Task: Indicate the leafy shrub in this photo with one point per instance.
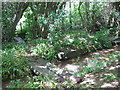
(38, 82)
(44, 51)
(102, 37)
(13, 64)
(15, 84)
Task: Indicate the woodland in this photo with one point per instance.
(58, 45)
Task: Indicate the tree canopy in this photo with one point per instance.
(41, 17)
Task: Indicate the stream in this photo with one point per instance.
(68, 68)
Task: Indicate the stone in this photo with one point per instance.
(40, 66)
(19, 39)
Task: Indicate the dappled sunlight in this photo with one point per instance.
(105, 58)
(68, 68)
(88, 80)
(110, 50)
(72, 67)
(113, 67)
(42, 66)
(60, 44)
(109, 85)
(96, 53)
(32, 54)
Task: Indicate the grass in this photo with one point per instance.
(13, 64)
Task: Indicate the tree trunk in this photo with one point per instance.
(70, 15)
(93, 21)
(45, 27)
(35, 28)
(82, 20)
(21, 8)
(113, 21)
(62, 6)
(87, 21)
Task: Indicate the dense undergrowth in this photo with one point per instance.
(14, 60)
(54, 31)
(13, 64)
(102, 69)
(78, 40)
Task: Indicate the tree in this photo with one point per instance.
(12, 13)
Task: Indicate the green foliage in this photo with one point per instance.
(101, 65)
(110, 77)
(36, 82)
(102, 37)
(14, 64)
(43, 49)
(78, 39)
(57, 20)
(15, 84)
(83, 36)
(8, 11)
(48, 48)
(39, 82)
